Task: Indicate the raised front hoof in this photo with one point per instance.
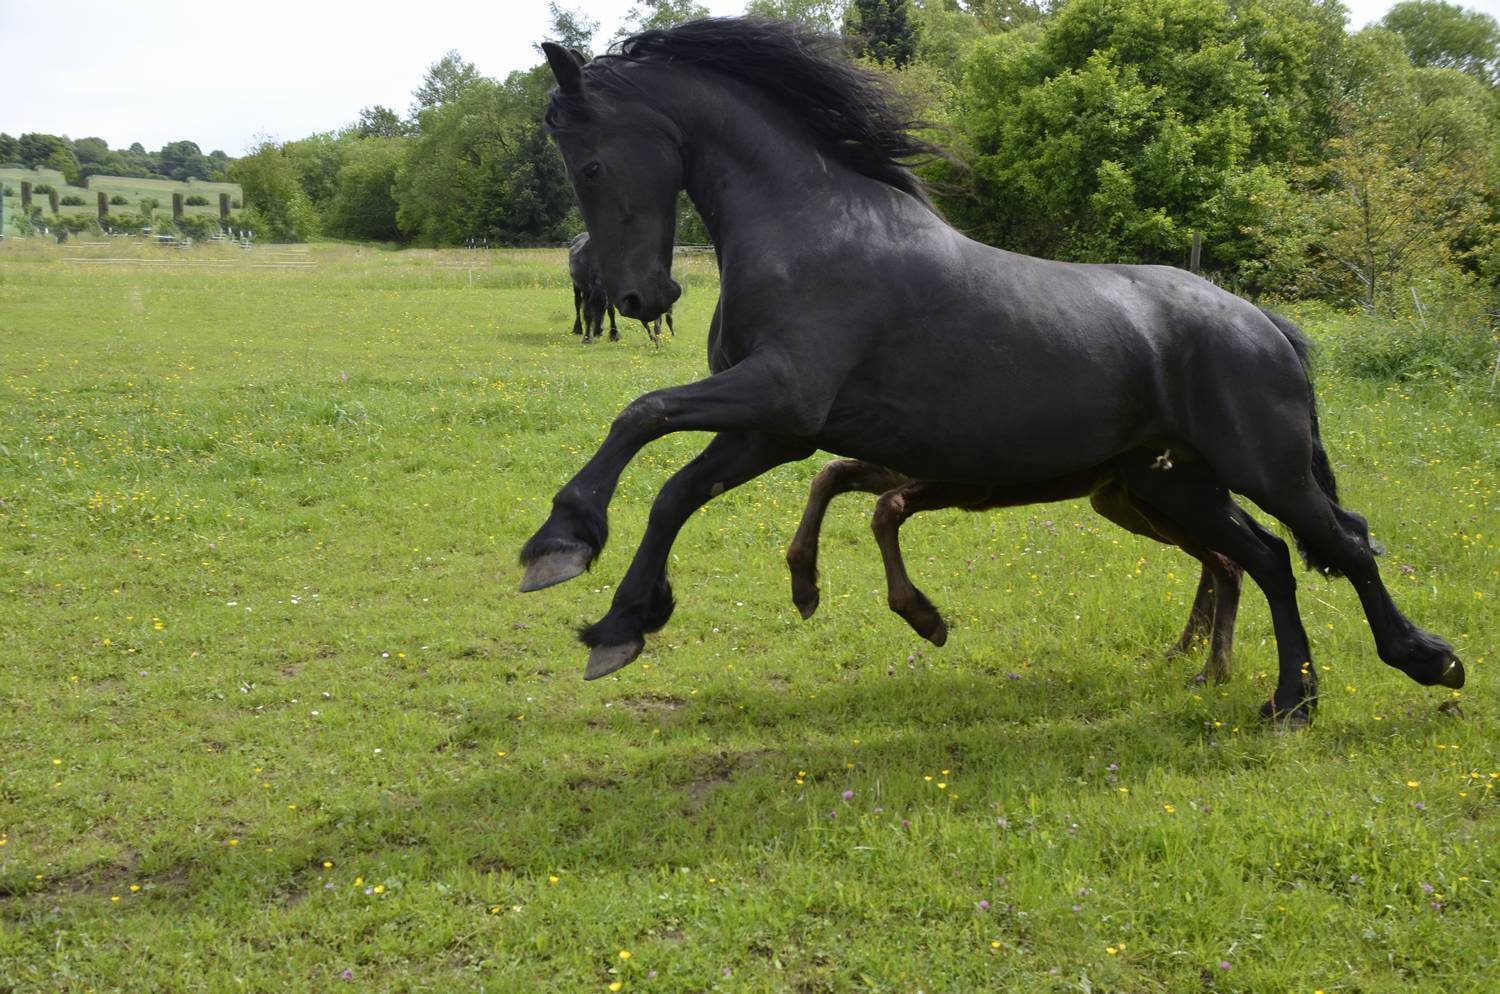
(1453, 675)
(1428, 660)
(555, 566)
(1289, 719)
(605, 659)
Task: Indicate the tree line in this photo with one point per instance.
(79, 159)
(1308, 159)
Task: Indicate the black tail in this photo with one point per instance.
(1322, 472)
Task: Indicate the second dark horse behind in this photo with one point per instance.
(846, 322)
(591, 301)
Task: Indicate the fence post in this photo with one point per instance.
(1197, 253)
(103, 206)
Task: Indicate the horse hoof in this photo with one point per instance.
(1295, 720)
(552, 568)
(939, 633)
(1453, 676)
(807, 605)
(605, 659)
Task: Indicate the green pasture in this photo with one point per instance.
(275, 718)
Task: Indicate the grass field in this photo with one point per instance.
(276, 719)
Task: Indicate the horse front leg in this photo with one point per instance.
(754, 396)
(838, 477)
(643, 601)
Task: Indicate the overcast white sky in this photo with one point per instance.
(156, 71)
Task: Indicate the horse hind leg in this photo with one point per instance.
(1339, 540)
(1194, 499)
(837, 477)
(1216, 601)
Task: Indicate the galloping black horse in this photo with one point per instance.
(846, 321)
(1215, 605)
(590, 299)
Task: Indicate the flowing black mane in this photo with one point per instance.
(850, 109)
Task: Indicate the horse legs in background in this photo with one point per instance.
(614, 333)
(578, 306)
(653, 328)
(838, 477)
(1215, 605)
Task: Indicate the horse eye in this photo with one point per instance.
(591, 170)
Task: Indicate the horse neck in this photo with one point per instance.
(753, 171)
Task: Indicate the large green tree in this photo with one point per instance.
(481, 167)
(445, 81)
(1118, 128)
(883, 30)
(1446, 35)
(276, 206)
(363, 205)
(1397, 202)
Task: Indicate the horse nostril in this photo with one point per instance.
(630, 304)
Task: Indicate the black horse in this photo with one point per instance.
(591, 301)
(1211, 617)
(846, 322)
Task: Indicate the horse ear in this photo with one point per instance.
(568, 71)
(578, 56)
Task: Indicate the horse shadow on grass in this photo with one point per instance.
(664, 778)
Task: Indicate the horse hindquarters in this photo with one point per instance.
(1268, 447)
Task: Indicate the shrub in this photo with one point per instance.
(78, 224)
(10, 191)
(149, 204)
(196, 201)
(41, 189)
(72, 200)
(198, 227)
(118, 200)
(129, 223)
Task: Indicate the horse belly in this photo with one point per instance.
(1035, 426)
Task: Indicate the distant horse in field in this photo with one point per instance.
(590, 300)
(1211, 617)
(847, 321)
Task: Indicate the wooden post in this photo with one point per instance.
(1197, 253)
(176, 207)
(25, 196)
(223, 207)
(103, 202)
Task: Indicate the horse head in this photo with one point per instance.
(625, 161)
